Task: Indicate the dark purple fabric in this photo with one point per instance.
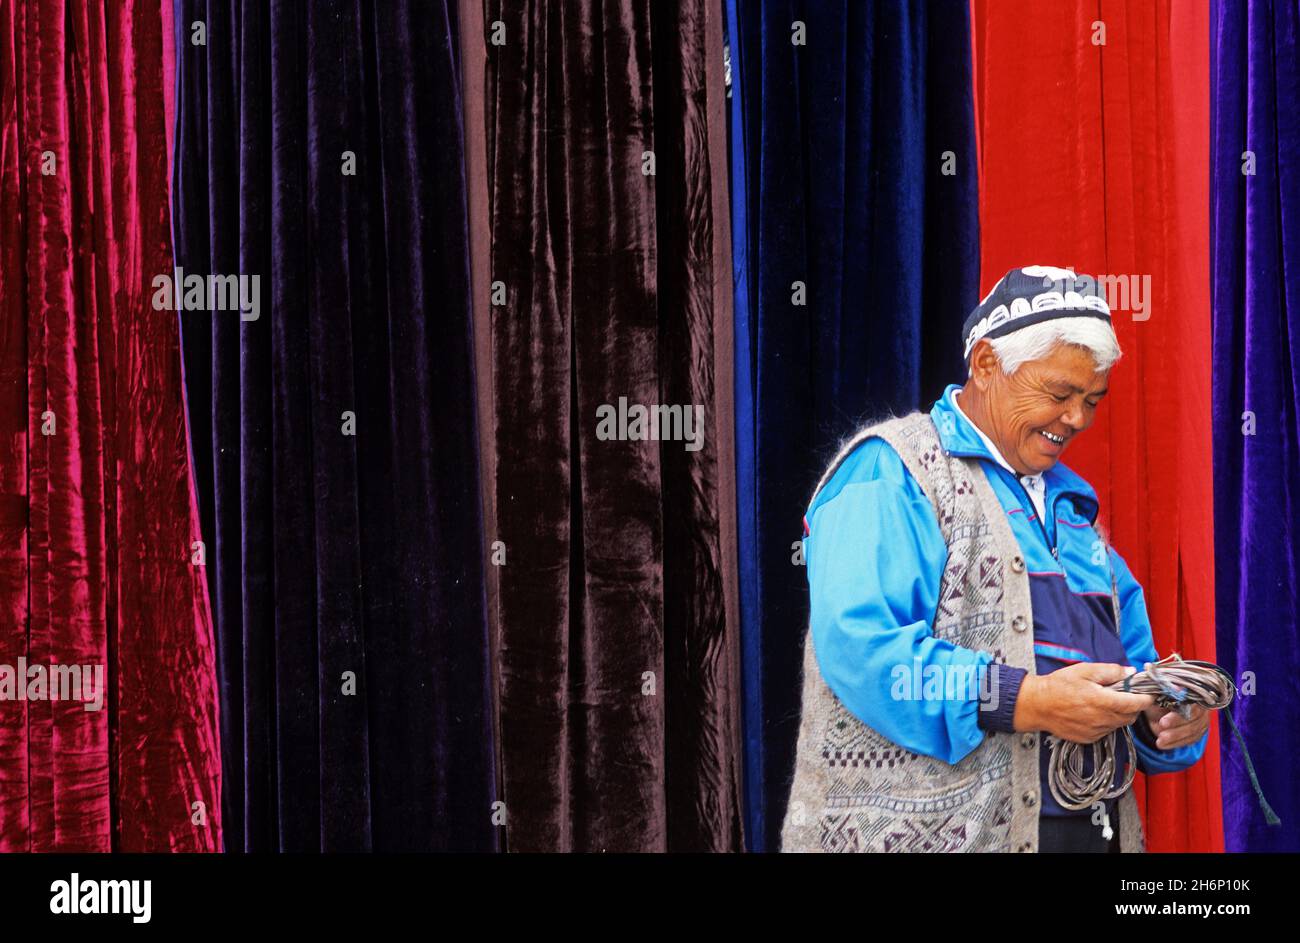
(333, 553)
(1255, 241)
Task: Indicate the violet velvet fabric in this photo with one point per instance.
(1255, 241)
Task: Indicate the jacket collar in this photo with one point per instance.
(959, 437)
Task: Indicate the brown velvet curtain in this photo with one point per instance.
(612, 589)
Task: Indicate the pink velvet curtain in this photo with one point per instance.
(98, 565)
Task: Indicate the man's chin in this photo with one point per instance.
(1040, 463)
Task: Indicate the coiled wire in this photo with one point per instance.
(1174, 683)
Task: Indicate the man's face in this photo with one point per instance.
(1038, 410)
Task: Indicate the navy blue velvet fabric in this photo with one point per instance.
(852, 172)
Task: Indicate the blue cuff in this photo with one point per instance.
(1006, 685)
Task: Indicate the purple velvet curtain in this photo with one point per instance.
(1255, 239)
(319, 148)
(613, 587)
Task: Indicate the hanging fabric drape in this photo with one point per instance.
(613, 580)
(1094, 140)
(319, 149)
(97, 565)
(1255, 219)
(856, 261)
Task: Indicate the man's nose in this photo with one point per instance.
(1074, 416)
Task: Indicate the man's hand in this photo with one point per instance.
(1074, 703)
(1172, 731)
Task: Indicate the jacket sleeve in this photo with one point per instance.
(875, 557)
(1135, 634)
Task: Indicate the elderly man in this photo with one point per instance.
(957, 545)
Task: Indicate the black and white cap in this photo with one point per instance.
(1030, 295)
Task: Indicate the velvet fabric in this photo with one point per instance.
(1255, 238)
(613, 595)
(345, 559)
(1094, 153)
(97, 515)
(852, 174)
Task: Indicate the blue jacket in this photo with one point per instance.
(875, 556)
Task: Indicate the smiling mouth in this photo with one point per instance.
(1054, 439)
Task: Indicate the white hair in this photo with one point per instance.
(1039, 340)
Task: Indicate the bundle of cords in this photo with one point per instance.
(1174, 683)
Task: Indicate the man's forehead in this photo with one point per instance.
(1057, 380)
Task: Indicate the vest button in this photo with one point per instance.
(1027, 740)
(1030, 798)
(1026, 846)
(1018, 563)
(1019, 623)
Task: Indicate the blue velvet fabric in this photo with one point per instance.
(1255, 245)
(853, 172)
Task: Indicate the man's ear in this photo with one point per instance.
(983, 363)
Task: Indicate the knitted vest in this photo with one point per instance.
(855, 790)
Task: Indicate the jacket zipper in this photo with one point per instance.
(1043, 528)
(1042, 525)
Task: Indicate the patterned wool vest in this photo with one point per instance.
(855, 790)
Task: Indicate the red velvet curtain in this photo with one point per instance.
(97, 562)
(1093, 126)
